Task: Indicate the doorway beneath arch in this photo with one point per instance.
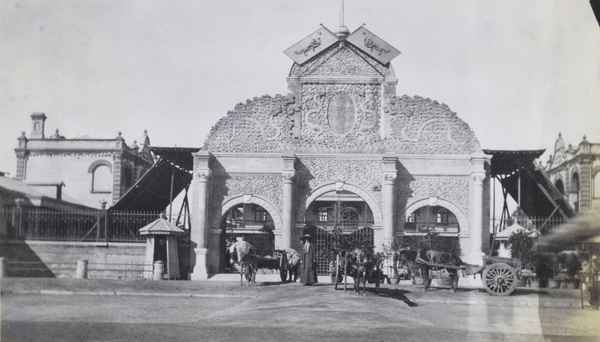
(248, 222)
(336, 214)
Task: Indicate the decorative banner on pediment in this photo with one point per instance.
(312, 45)
(372, 45)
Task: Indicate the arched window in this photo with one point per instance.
(102, 179)
(127, 178)
(574, 192)
(559, 185)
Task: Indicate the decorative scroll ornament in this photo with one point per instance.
(312, 45)
(372, 45)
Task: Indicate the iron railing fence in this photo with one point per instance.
(539, 223)
(327, 235)
(43, 224)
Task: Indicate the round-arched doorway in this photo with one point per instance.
(336, 215)
(249, 222)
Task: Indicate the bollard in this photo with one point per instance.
(159, 269)
(82, 269)
(3, 267)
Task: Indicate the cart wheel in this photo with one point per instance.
(500, 279)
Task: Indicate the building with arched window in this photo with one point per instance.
(575, 171)
(340, 151)
(90, 170)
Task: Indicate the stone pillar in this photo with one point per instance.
(478, 176)
(585, 183)
(117, 175)
(22, 154)
(389, 198)
(288, 201)
(199, 208)
(82, 269)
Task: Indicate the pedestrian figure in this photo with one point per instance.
(309, 261)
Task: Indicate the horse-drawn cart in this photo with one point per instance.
(498, 275)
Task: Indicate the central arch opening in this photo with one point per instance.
(249, 222)
(338, 212)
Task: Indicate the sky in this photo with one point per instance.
(517, 71)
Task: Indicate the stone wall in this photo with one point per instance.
(59, 259)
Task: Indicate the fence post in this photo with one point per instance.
(82, 269)
(17, 218)
(98, 225)
(3, 267)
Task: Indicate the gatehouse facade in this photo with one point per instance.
(340, 151)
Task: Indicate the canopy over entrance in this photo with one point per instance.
(164, 181)
(527, 184)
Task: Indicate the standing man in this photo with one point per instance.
(309, 261)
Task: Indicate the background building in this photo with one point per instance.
(575, 171)
(87, 171)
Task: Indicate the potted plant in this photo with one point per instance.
(521, 247)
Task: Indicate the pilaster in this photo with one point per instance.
(288, 173)
(199, 213)
(478, 176)
(390, 174)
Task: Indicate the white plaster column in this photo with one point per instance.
(200, 197)
(389, 198)
(288, 200)
(478, 176)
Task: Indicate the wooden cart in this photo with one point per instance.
(499, 275)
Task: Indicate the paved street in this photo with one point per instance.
(102, 310)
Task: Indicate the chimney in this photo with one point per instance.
(37, 128)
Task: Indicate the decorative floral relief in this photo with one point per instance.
(268, 187)
(257, 126)
(315, 102)
(367, 174)
(453, 189)
(425, 126)
(342, 61)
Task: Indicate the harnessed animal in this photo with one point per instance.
(364, 265)
(289, 264)
(241, 254)
(434, 263)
